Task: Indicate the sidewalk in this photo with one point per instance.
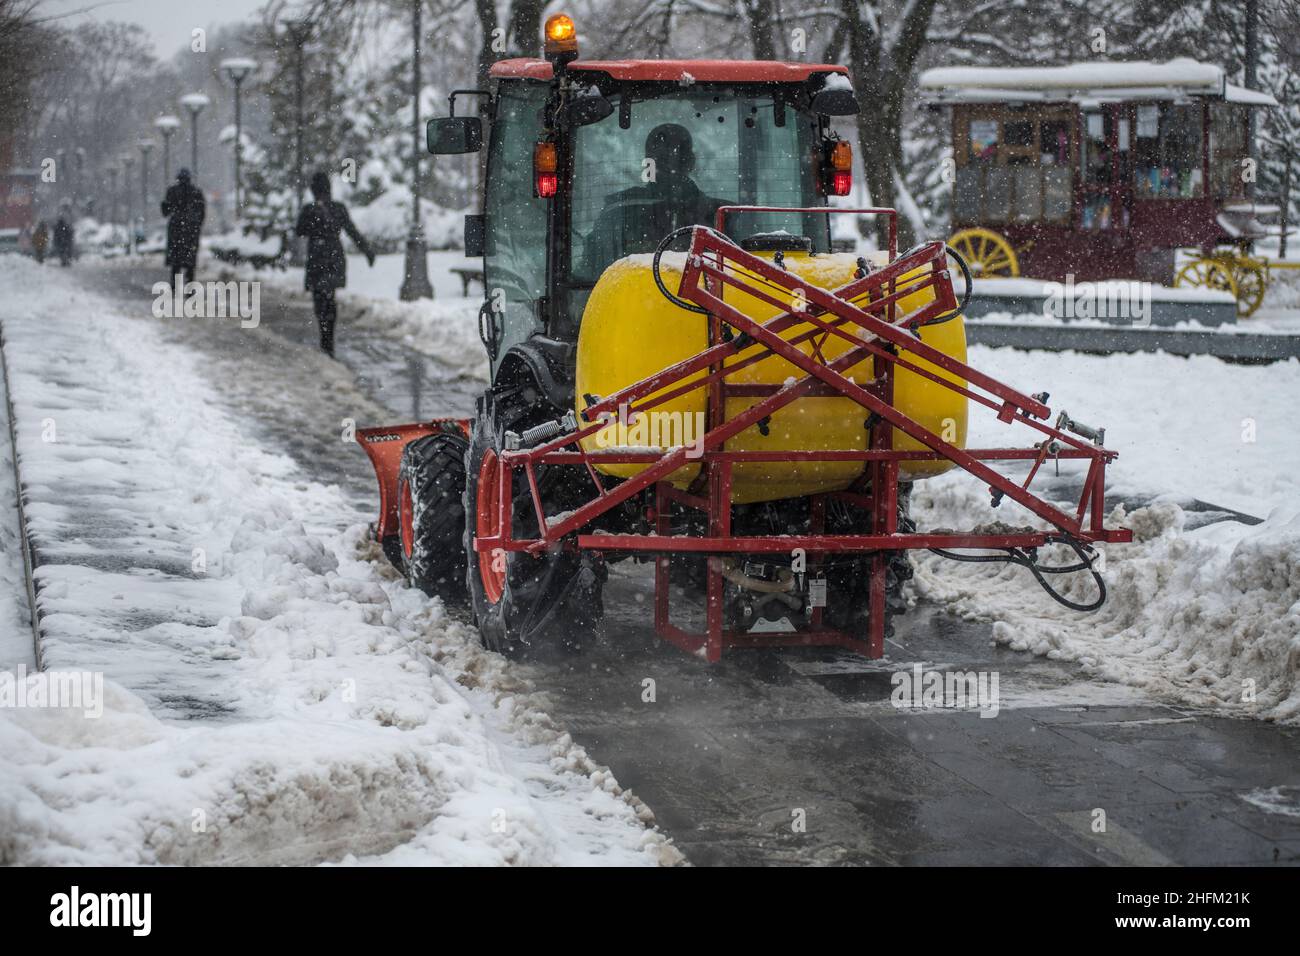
(271, 695)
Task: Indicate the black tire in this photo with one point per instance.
(849, 583)
(552, 599)
(392, 546)
(432, 518)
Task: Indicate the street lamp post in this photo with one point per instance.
(79, 165)
(166, 126)
(146, 147)
(127, 162)
(299, 33)
(112, 195)
(194, 103)
(415, 283)
(238, 68)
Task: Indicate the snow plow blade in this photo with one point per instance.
(383, 446)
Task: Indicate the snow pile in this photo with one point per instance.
(386, 222)
(1207, 616)
(446, 329)
(1191, 427)
(333, 714)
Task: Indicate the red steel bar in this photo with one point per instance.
(713, 264)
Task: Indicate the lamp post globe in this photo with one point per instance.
(194, 104)
(167, 126)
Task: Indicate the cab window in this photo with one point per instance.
(514, 260)
(686, 153)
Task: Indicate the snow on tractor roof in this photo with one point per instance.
(1078, 82)
(699, 71)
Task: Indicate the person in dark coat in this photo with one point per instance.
(63, 237)
(184, 207)
(321, 222)
(41, 240)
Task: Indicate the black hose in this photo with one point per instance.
(654, 267)
(1017, 556)
(965, 271)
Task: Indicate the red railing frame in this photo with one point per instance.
(874, 332)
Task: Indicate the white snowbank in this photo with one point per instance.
(351, 719)
(1194, 616)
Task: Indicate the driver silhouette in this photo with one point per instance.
(636, 219)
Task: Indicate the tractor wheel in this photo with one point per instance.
(987, 253)
(519, 599)
(431, 513)
(1207, 273)
(849, 584)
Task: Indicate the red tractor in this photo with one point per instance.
(683, 372)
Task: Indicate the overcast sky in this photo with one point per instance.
(169, 22)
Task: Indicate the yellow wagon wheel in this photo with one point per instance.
(1251, 277)
(1207, 274)
(986, 252)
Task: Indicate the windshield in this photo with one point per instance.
(685, 154)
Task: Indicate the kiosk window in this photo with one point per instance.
(1013, 165)
(1167, 151)
(1227, 148)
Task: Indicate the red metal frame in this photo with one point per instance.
(863, 313)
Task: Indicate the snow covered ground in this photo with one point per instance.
(272, 695)
(445, 327)
(1208, 616)
(1193, 613)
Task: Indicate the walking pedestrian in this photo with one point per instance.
(321, 222)
(63, 237)
(184, 207)
(41, 240)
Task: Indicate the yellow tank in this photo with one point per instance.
(630, 331)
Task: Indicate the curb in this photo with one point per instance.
(29, 562)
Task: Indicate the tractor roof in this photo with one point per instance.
(703, 71)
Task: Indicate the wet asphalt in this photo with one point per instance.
(798, 756)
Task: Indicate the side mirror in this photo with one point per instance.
(585, 109)
(449, 135)
(833, 95)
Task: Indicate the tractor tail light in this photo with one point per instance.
(546, 177)
(841, 169)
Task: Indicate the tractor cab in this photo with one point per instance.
(592, 161)
(683, 372)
